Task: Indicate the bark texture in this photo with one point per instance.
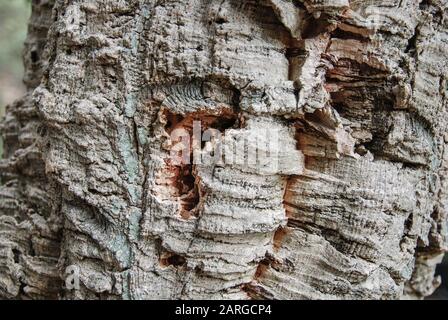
(356, 91)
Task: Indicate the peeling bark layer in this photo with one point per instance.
(355, 207)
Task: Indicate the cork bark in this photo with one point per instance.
(354, 92)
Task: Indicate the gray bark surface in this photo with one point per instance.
(356, 208)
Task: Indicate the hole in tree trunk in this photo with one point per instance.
(177, 182)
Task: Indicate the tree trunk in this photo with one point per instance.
(343, 103)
